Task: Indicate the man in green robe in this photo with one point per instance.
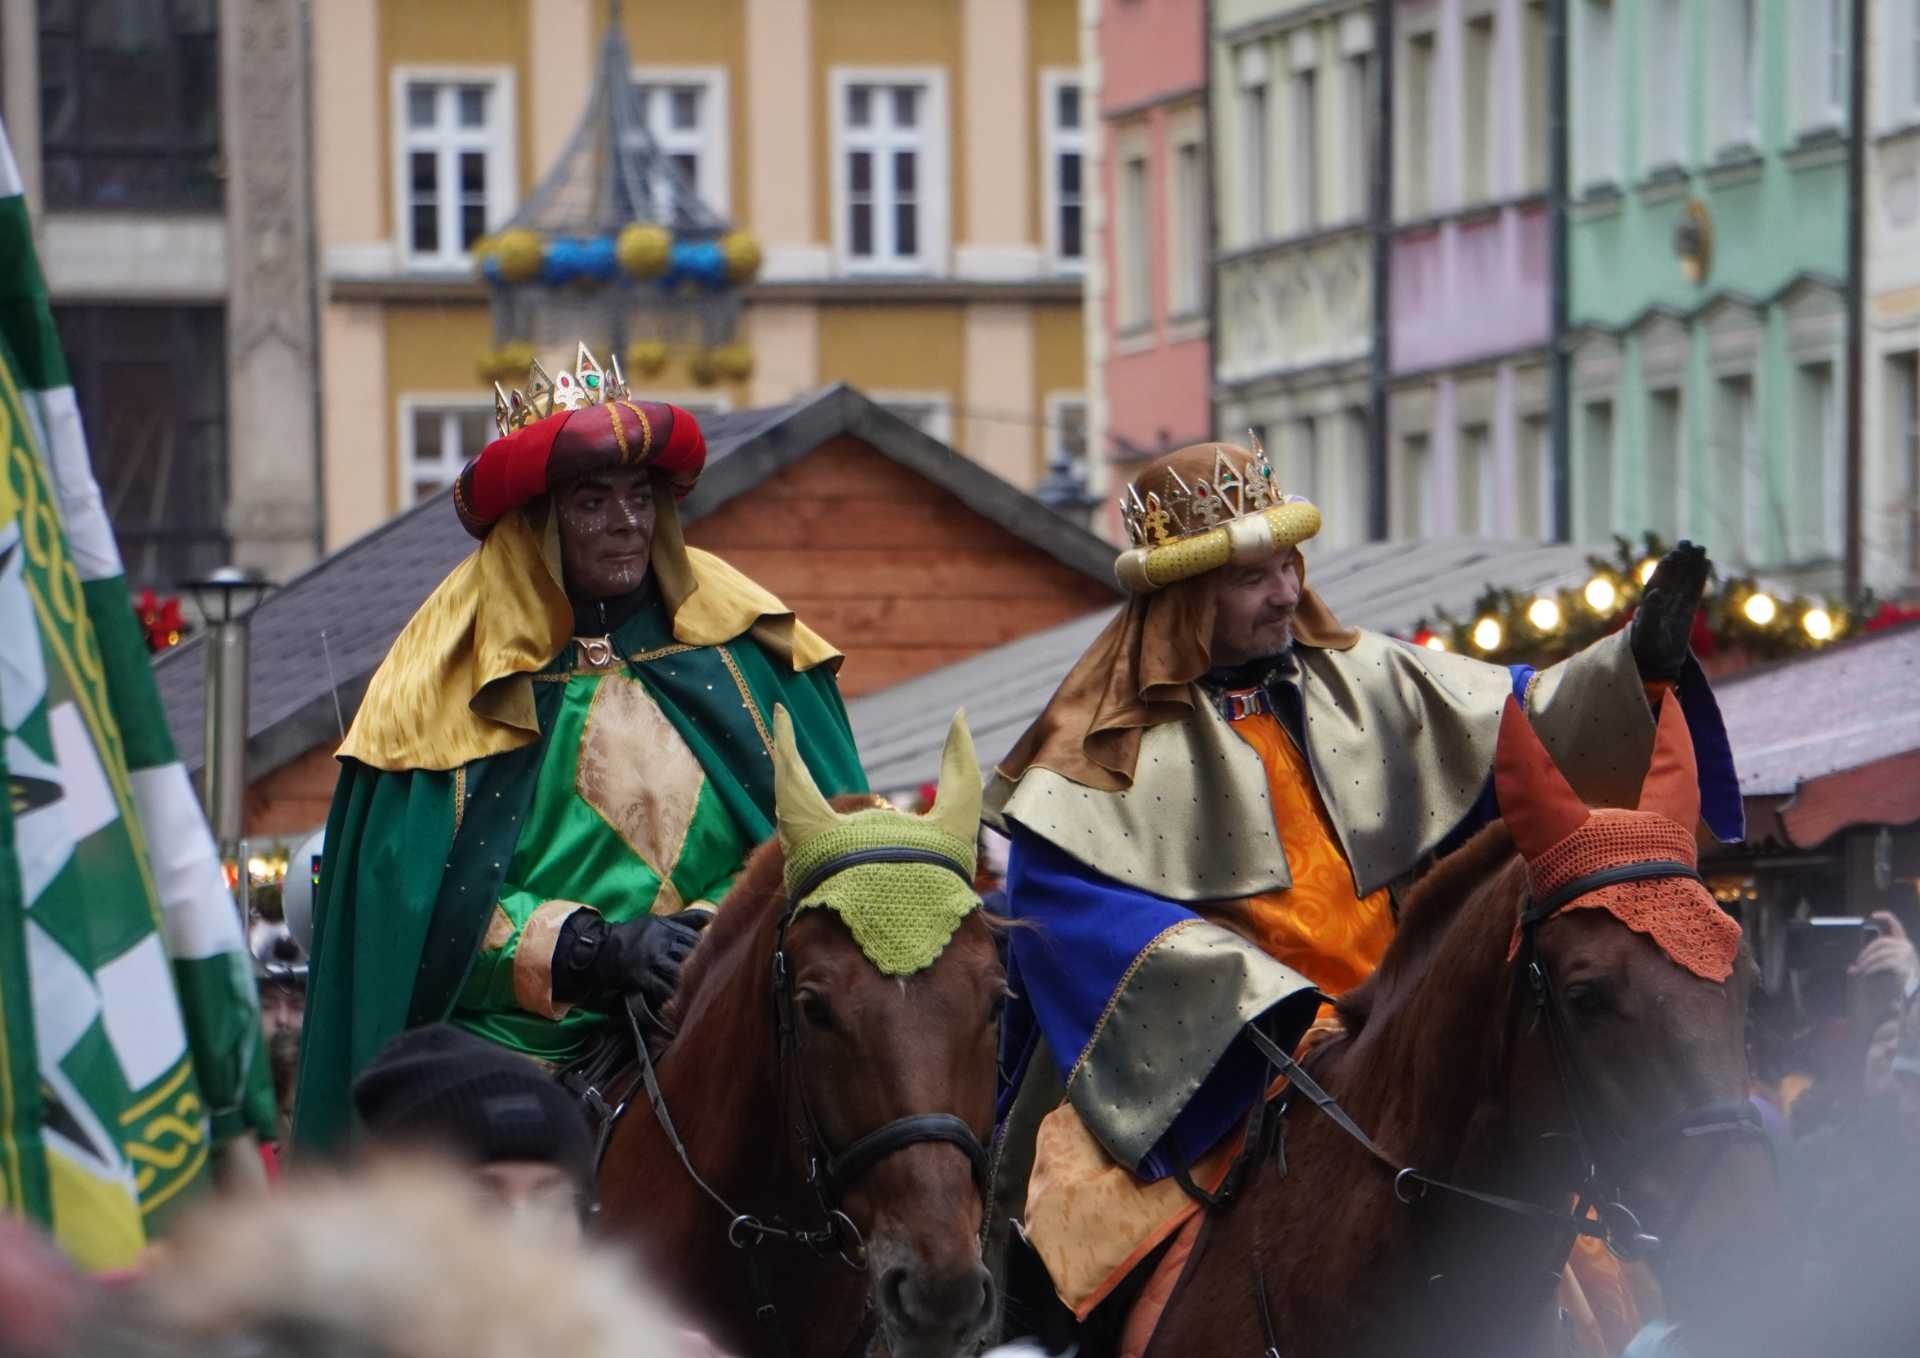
(565, 757)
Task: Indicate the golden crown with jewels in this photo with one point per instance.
(1235, 514)
(587, 385)
(1156, 519)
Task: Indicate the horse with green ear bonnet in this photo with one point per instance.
(901, 883)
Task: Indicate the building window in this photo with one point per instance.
(1481, 134)
(439, 437)
(130, 104)
(455, 166)
(1913, 56)
(1737, 467)
(151, 386)
(1360, 134)
(1533, 496)
(1663, 122)
(1066, 159)
(1535, 141)
(1818, 500)
(1736, 72)
(1597, 96)
(1833, 33)
(1475, 481)
(931, 412)
(1189, 216)
(1413, 488)
(1303, 473)
(1133, 244)
(1902, 517)
(1416, 117)
(1253, 163)
(1306, 149)
(1350, 512)
(1067, 434)
(685, 112)
(1665, 474)
(891, 171)
(1595, 512)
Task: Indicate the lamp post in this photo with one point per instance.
(226, 601)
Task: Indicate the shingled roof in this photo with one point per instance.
(317, 640)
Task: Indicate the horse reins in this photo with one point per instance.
(1600, 1193)
(829, 1174)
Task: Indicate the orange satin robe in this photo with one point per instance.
(1320, 926)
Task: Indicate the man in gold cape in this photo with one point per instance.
(1211, 820)
(565, 756)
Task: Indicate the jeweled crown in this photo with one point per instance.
(1174, 512)
(587, 385)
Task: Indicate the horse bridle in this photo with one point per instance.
(1599, 1210)
(829, 1174)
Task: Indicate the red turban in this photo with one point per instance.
(570, 443)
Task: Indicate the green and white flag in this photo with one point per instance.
(129, 1024)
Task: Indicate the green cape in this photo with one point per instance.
(414, 859)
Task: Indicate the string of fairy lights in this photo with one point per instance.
(1738, 613)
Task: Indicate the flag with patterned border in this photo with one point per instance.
(130, 1037)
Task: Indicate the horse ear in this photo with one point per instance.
(1538, 804)
(956, 804)
(798, 806)
(1672, 788)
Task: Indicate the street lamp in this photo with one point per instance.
(226, 601)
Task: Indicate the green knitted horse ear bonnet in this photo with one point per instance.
(901, 914)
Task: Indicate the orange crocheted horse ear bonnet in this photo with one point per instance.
(1563, 839)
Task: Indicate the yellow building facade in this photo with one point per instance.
(912, 169)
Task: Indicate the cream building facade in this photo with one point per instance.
(1292, 97)
(913, 171)
(1890, 500)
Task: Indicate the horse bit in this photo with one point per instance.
(1601, 1187)
(829, 1174)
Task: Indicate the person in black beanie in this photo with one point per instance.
(443, 1090)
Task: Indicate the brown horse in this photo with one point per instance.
(1460, 1061)
(777, 1069)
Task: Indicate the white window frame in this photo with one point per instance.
(1596, 151)
(1253, 138)
(939, 424)
(1736, 108)
(450, 405)
(500, 142)
(1133, 240)
(1492, 119)
(714, 182)
(931, 172)
(1417, 192)
(1666, 99)
(1056, 402)
(1306, 127)
(1830, 109)
(1056, 141)
(1358, 71)
(1187, 244)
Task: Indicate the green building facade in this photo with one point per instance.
(1707, 253)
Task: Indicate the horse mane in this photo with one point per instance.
(1437, 899)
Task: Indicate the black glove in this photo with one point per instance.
(594, 961)
(1663, 626)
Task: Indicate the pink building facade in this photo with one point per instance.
(1147, 313)
(1470, 272)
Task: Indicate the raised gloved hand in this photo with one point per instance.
(1663, 626)
(595, 961)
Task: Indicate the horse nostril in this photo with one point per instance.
(893, 1295)
(959, 1304)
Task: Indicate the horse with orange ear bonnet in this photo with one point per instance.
(1641, 866)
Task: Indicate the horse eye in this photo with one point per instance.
(813, 1008)
(996, 1007)
(1587, 997)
